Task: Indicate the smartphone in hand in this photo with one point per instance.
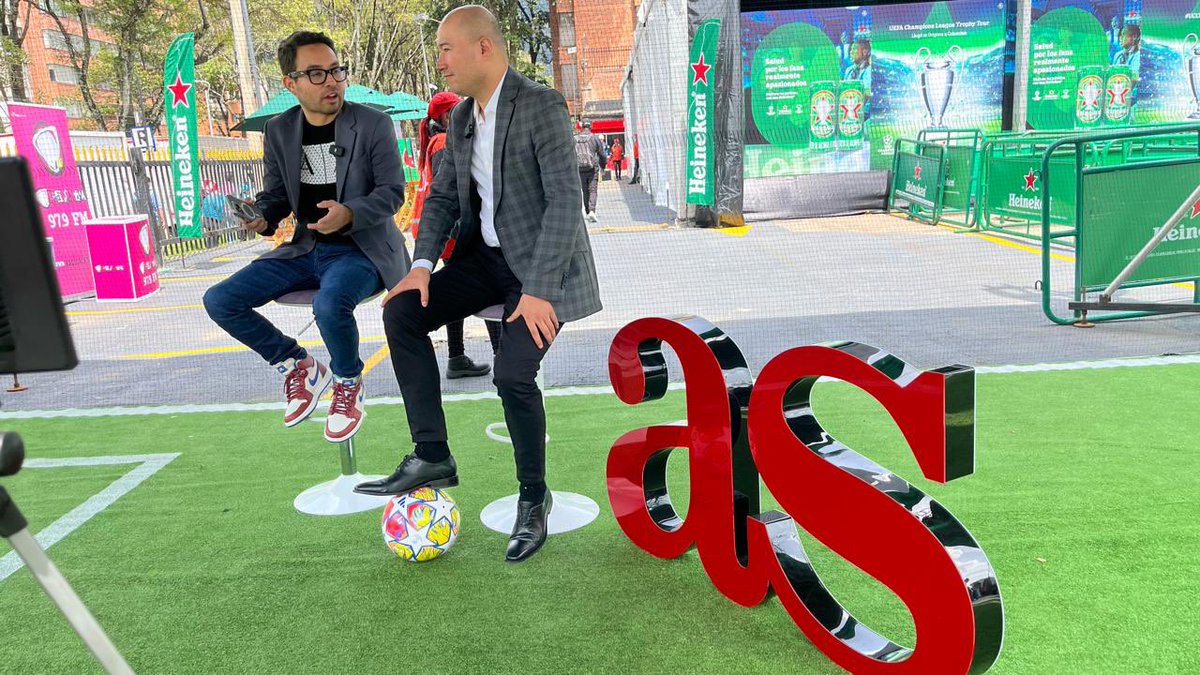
(243, 210)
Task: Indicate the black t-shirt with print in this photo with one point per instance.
(318, 179)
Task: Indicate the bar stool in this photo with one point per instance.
(571, 511)
(334, 497)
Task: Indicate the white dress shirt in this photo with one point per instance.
(483, 170)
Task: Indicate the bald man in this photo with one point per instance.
(509, 178)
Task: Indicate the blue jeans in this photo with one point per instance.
(344, 277)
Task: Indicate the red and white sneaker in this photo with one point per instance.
(304, 382)
(346, 410)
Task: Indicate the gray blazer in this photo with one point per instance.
(539, 207)
(370, 181)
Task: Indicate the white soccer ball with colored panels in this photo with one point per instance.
(421, 525)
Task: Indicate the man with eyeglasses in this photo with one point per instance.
(335, 166)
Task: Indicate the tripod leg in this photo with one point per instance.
(68, 602)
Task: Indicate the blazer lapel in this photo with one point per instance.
(504, 118)
(344, 135)
(293, 156)
(462, 157)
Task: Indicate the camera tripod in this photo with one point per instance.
(13, 527)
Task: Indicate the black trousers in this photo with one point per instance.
(473, 282)
(589, 182)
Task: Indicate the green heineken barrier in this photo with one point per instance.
(1011, 181)
(918, 177)
(1011, 173)
(961, 185)
(1117, 210)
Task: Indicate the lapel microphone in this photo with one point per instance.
(470, 133)
(337, 151)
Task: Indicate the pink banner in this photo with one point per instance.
(42, 138)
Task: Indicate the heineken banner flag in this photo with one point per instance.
(179, 98)
(408, 157)
(832, 90)
(699, 130)
(1113, 63)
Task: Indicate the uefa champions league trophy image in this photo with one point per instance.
(1191, 64)
(936, 78)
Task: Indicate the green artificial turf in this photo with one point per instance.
(1085, 499)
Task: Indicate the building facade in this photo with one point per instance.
(590, 45)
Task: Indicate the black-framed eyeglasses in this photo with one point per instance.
(318, 75)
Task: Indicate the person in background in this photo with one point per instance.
(590, 156)
(1130, 55)
(431, 142)
(618, 156)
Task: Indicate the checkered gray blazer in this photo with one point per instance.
(539, 208)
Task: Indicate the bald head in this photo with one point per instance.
(475, 22)
(471, 52)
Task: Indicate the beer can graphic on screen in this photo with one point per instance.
(822, 116)
(1089, 97)
(851, 114)
(1118, 96)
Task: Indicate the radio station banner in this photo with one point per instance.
(1097, 63)
(832, 90)
(42, 138)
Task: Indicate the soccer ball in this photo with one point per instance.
(420, 525)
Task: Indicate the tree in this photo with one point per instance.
(140, 32)
(80, 53)
(526, 25)
(14, 24)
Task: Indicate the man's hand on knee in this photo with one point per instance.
(417, 279)
(539, 317)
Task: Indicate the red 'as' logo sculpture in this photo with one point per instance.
(738, 427)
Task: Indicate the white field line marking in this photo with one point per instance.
(595, 390)
(147, 465)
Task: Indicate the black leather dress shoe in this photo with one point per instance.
(412, 473)
(463, 366)
(529, 532)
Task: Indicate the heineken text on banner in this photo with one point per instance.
(700, 113)
(179, 82)
(41, 136)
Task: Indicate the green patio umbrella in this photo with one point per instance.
(402, 102)
(399, 106)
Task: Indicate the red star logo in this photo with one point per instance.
(1031, 181)
(700, 71)
(179, 91)
(851, 112)
(917, 172)
(1118, 95)
(1196, 208)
